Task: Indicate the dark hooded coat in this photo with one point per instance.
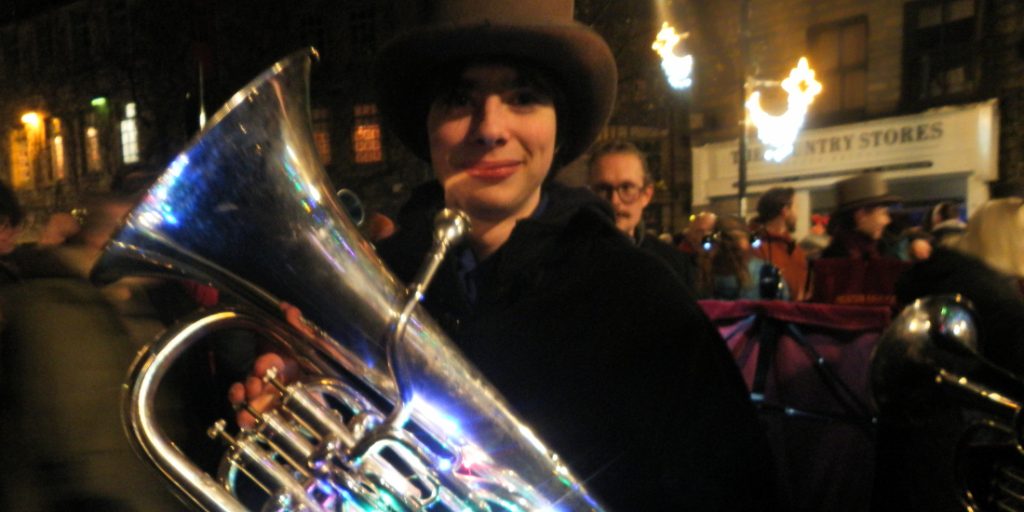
(603, 354)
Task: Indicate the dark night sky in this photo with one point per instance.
(11, 10)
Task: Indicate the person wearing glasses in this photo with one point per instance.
(618, 173)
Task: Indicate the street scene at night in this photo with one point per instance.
(512, 255)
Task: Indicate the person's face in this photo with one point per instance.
(789, 213)
(619, 178)
(872, 221)
(492, 142)
(8, 236)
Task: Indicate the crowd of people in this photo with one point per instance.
(587, 324)
(726, 257)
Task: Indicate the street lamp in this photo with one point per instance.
(678, 70)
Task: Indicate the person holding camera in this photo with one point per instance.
(729, 270)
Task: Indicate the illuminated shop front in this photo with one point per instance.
(948, 153)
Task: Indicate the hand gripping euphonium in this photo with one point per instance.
(411, 425)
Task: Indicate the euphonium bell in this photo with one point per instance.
(248, 209)
(933, 386)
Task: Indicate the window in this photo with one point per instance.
(322, 134)
(838, 54)
(941, 48)
(57, 150)
(21, 162)
(129, 135)
(93, 157)
(366, 135)
(28, 157)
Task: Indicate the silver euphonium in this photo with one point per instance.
(927, 365)
(248, 209)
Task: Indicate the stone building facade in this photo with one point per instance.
(880, 61)
(92, 91)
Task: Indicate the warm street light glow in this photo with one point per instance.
(778, 132)
(677, 67)
(31, 119)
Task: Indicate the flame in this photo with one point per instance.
(677, 68)
(778, 132)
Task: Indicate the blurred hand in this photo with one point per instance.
(262, 396)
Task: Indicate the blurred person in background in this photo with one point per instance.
(943, 223)
(701, 225)
(63, 333)
(65, 348)
(985, 265)
(857, 268)
(816, 240)
(776, 221)
(903, 240)
(617, 172)
(860, 219)
(729, 270)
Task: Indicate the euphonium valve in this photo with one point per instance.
(388, 415)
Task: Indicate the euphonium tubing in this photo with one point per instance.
(248, 209)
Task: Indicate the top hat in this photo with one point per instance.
(541, 33)
(863, 191)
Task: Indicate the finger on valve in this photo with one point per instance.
(255, 395)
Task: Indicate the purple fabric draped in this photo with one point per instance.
(817, 416)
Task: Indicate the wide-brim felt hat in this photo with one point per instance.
(863, 191)
(541, 33)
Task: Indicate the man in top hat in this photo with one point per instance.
(612, 365)
(854, 269)
(860, 218)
